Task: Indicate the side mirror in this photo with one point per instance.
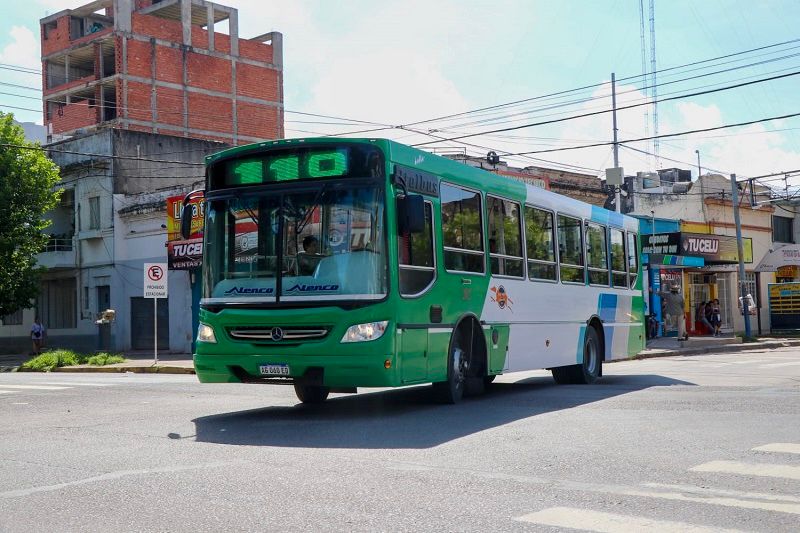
(411, 214)
(186, 212)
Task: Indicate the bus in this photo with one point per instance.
(331, 264)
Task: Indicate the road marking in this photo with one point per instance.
(76, 384)
(776, 365)
(749, 469)
(32, 387)
(780, 447)
(8, 391)
(723, 492)
(610, 522)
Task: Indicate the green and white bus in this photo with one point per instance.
(331, 264)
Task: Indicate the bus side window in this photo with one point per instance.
(540, 237)
(415, 254)
(505, 237)
(462, 229)
(570, 249)
(597, 254)
(618, 267)
(633, 260)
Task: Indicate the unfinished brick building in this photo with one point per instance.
(159, 66)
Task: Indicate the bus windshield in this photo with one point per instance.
(329, 242)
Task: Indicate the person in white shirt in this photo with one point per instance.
(37, 336)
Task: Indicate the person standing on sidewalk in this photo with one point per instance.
(37, 336)
(674, 307)
(716, 317)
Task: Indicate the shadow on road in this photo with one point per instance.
(407, 418)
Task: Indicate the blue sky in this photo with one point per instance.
(396, 62)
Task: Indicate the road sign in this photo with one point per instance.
(155, 280)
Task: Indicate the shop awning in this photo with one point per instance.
(787, 255)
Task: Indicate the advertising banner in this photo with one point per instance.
(715, 248)
(184, 255)
(174, 205)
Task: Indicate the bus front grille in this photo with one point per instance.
(278, 333)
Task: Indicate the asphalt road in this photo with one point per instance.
(703, 443)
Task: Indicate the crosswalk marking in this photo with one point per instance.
(32, 387)
(75, 384)
(691, 489)
(749, 469)
(7, 391)
(780, 447)
(610, 522)
(776, 365)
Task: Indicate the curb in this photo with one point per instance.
(123, 369)
(724, 348)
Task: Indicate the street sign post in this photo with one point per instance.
(155, 287)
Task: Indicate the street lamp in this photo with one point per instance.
(698, 163)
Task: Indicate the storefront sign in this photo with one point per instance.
(787, 271)
(715, 248)
(784, 306)
(661, 243)
(184, 255)
(174, 206)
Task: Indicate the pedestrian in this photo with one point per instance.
(674, 307)
(37, 336)
(716, 317)
(703, 314)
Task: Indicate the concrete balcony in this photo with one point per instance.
(59, 253)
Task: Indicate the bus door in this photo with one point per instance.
(418, 310)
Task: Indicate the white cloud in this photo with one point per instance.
(23, 50)
(695, 116)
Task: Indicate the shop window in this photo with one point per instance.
(570, 249)
(505, 237)
(749, 284)
(462, 229)
(415, 251)
(597, 254)
(541, 242)
(94, 212)
(619, 276)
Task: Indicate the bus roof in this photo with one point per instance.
(452, 171)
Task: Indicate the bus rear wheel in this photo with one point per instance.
(589, 369)
(311, 393)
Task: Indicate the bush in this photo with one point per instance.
(104, 358)
(47, 361)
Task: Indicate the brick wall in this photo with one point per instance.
(206, 72)
(160, 28)
(255, 50)
(139, 101)
(210, 113)
(256, 82)
(257, 121)
(56, 39)
(169, 104)
(78, 114)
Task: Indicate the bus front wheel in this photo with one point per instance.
(311, 393)
(589, 369)
(458, 363)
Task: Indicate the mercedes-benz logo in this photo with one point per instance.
(277, 334)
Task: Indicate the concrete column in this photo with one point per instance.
(277, 49)
(233, 23)
(186, 21)
(66, 68)
(122, 15)
(210, 25)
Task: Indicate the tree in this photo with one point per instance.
(27, 191)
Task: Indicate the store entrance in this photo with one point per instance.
(699, 292)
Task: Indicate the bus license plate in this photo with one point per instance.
(274, 370)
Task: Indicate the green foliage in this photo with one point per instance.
(27, 191)
(47, 361)
(104, 358)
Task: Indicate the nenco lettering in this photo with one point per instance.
(312, 288)
(701, 246)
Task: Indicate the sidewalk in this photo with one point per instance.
(137, 362)
(671, 346)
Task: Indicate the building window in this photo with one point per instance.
(12, 319)
(749, 283)
(782, 229)
(94, 212)
(462, 229)
(570, 249)
(415, 251)
(541, 242)
(57, 303)
(505, 237)
(618, 270)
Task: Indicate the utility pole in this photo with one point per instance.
(698, 163)
(617, 195)
(740, 250)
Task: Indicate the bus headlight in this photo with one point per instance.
(205, 334)
(365, 332)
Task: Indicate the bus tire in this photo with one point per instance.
(311, 393)
(458, 360)
(590, 368)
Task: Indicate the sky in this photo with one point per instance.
(398, 62)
